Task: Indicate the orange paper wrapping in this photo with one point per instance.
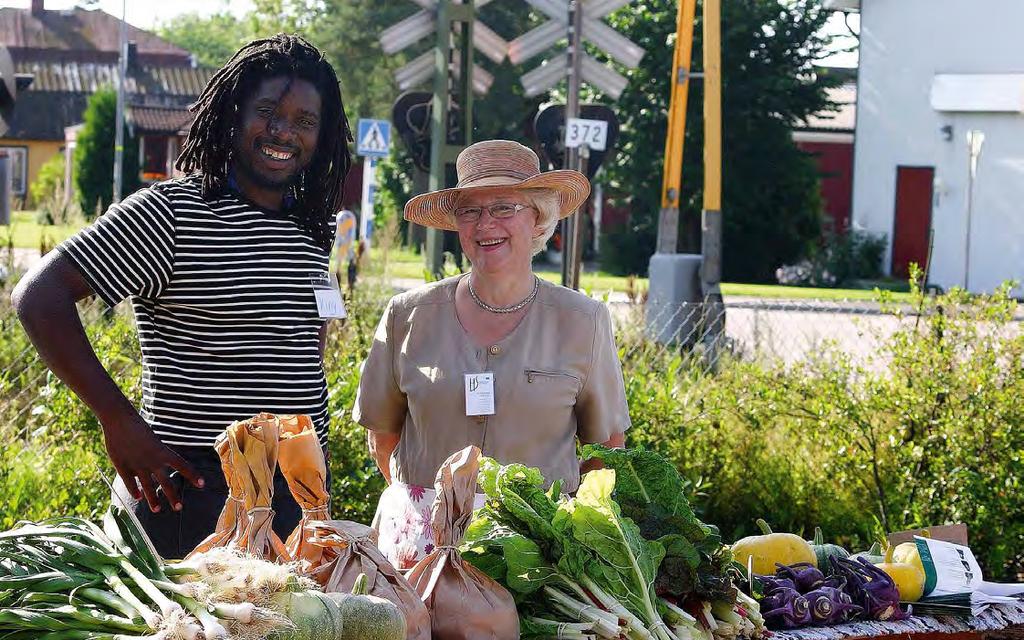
(254, 449)
(302, 462)
(233, 514)
(350, 549)
(463, 602)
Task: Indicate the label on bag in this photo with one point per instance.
(480, 394)
(328, 298)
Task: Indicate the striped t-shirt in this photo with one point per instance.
(224, 303)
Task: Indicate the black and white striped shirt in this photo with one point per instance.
(224, 303)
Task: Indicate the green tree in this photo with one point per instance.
(94, 154)
(770, 197)
(212, 39)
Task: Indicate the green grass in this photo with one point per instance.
(29, 234)
(406, 264)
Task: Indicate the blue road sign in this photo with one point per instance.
(374, 137)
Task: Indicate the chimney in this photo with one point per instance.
(37, 8)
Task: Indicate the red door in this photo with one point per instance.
(913, 218)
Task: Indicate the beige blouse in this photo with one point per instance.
(557, 378)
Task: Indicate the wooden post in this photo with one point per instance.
(454, 22)
(572, 110)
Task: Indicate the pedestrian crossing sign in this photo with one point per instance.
(374, 137)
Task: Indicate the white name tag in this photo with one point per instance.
(328, 298)
(480, 394)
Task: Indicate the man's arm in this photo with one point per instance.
(45, 303)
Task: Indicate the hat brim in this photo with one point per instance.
(436, 209)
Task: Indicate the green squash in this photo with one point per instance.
(825, 551)
(873, 555)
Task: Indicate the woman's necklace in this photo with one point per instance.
(509, 309)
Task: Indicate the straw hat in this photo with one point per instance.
(497, 163)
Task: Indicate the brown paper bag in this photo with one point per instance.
(350, 549)
(254, 450)
(302, 463)
(233, 514)
(464, 603)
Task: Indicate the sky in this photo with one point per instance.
(147, 14)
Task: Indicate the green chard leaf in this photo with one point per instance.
(626, 563)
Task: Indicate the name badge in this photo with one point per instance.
(328, 298)
(480, 394)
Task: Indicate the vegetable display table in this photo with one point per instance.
(1003, 622)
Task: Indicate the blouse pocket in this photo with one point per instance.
(537, 375)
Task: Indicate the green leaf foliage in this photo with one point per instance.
(628, 563)
(94, 155)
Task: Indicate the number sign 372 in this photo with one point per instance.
(580, 131)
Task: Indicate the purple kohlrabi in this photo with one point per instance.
(785, 608)
(871, 588)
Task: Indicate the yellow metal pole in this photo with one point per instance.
(711, 223)
(712, 105)
(668, 219)
(677, 104)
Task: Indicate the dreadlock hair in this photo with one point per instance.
(208, 148)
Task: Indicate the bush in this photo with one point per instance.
(842, 259)
(927, 433)
(94, 155)
(49, 180)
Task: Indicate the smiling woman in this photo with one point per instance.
(520, 368)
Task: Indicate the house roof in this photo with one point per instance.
(843, 120)
(59, 92)
(87, 77)
(158, 119)
(80, 35)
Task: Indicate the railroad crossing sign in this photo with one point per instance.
(374, 137)
(549, 73)
(422, 24)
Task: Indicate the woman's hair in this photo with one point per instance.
(548, 206)
(207, 150)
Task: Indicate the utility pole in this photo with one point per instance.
(711, 225)
(122, 70)
(570, 224)
(675, 288)
(454, 48)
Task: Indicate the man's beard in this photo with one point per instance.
(243, 166)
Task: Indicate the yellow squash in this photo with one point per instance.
(763, 551)
(909, 577)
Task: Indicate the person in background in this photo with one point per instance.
(222, 268)
(344, 246)
(497, 357)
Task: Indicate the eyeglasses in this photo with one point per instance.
(498, 211)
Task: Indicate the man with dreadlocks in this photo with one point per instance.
(226, 270)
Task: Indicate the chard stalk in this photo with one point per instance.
(605, 624)
(636, 625)
(677, 616)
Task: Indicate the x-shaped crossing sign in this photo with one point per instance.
(423, 23)
(617, 46)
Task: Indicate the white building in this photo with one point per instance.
(934, 76)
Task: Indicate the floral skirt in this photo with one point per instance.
(402, 522)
